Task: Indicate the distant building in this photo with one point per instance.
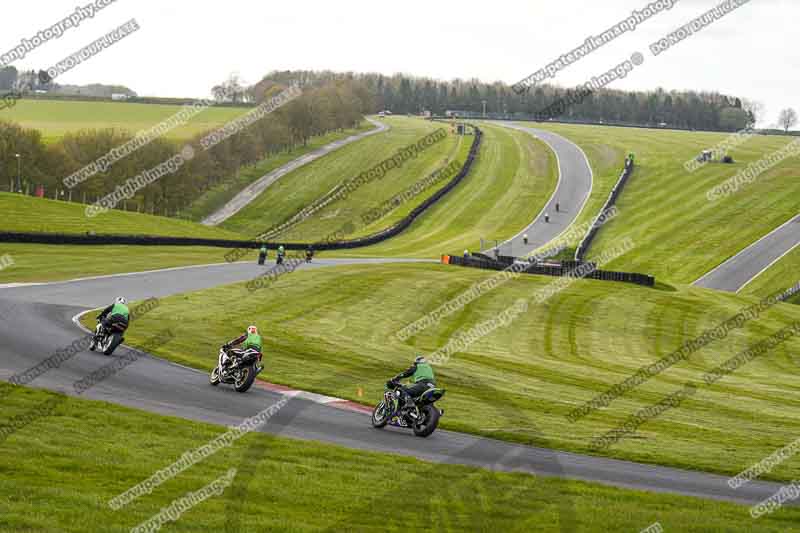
(118, 96)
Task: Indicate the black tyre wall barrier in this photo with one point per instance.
(566, 268)
(583, 247)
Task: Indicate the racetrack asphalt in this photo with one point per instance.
(742, 268)
(572, 191)
(159, 386)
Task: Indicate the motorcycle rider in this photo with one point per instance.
(421, 373)
(281, 253)
(251, 340)
(116, 312)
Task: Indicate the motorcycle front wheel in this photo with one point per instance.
(214, 377)
(380, 416)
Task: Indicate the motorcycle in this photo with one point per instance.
(309, 256)
(241, 370)
(390, 410)
(107, 339)
(279, 259)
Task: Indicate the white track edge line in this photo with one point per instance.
(784, 254)
(743, 250)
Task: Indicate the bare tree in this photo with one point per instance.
(787, 118)
(754, 110)
(234, 88)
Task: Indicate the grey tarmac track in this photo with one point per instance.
(739, 270)
(41, 323)
(251, 192)
(573, 189)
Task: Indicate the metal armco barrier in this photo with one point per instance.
(566, 268)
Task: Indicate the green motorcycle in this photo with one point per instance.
(422, 420)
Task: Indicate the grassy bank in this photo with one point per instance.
(512, 179)
(679, 234)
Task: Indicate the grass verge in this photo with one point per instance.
(38, 215)
(41, 262)
(59, 472)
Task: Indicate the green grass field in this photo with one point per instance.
(97, 450)
(29, 214)
(302, 187)
(40, 262)
(511, 181)
(223, 192)
(680, 235)
(341, 322)
(348, 213)
(54, 118)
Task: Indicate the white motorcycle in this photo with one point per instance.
(236, 367)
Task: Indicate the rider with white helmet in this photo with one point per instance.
(421, 373)
(116, 312)
(251, 340)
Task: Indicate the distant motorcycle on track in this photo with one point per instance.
(423, 421)
(240, 371)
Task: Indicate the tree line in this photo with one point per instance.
(319, 110)
(402, 93)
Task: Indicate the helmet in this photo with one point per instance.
(252, 330)
(121, 300)
(420, 359)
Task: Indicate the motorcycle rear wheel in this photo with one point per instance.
(246, 380)
(114, 340)
(428, 421)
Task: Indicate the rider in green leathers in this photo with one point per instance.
(116, 312)
(251, 340)
(421, 373)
